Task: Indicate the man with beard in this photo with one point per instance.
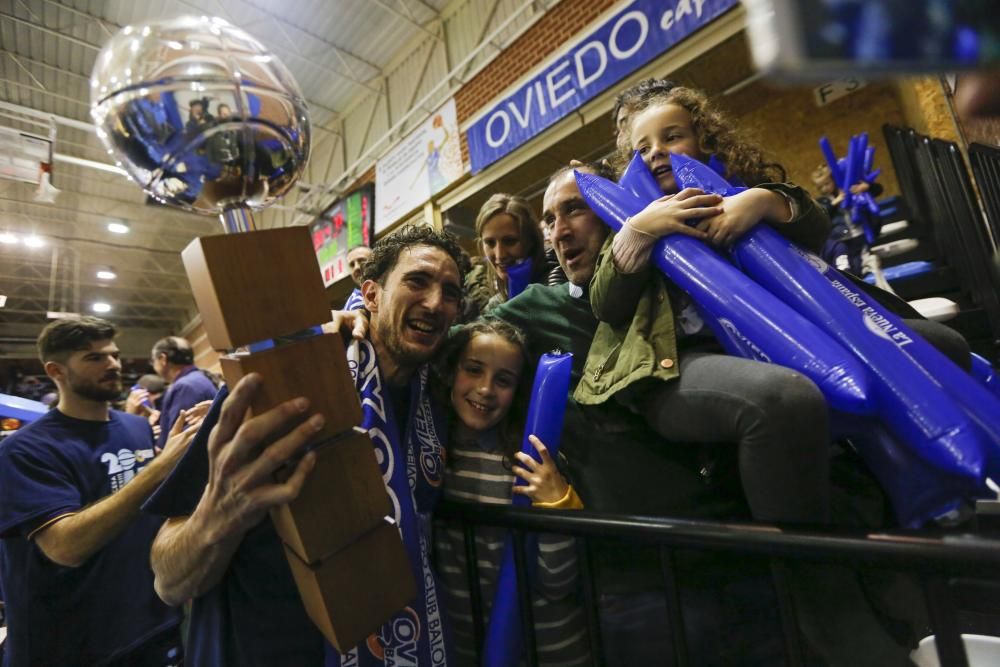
(219, 547)
(75, 549)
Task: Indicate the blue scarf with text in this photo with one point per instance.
(412, 465)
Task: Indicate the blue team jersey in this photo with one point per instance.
(191, 387)
(254, 615)
(106, 607)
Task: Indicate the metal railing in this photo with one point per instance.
(934, 559)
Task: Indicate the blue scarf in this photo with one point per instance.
(412, 466)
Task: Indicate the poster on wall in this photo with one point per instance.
(423, 164)
(345, 225)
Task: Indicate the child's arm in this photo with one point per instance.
(671, 214)
(614, 295)
(744, 210)
(545, 484)
(557, 566)
(788, 208)
(623, 268)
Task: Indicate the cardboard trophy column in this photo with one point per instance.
(202, 117)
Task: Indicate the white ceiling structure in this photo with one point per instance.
(352, 60)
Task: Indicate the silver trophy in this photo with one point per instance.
(201, 116)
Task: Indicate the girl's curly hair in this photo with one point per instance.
(717, 134)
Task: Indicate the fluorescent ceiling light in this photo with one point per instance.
(106, 274)
(8, 238)
(34, 241)
(118, 227)
(101, 307)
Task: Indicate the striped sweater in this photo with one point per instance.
(477, 474)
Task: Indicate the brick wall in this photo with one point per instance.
(788, 124)
(561, 23)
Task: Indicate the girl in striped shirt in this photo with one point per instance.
(484, 370)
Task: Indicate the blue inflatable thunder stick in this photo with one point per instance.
(908, 399)
(518, 277)
(546, 412)
(907, 372)
(748, 319)
(850, 171)
(984, 372)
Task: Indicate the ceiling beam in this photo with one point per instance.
(96, 47)
(407, 19)
(85, 15)
(114, 317)
(138, 216)
(319, 38)
(109, 286)
(52, 68)
(159, 304)
(42, 91)
(49, 31)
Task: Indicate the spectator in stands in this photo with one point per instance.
(615, 461)
(845, 247)
(198, 116)
(173, 360)
(356, 258)
(224, 145)
(659, 359)
(75, 549)
(221, 549)
(507, 234)
(486, 369)
(146, 399)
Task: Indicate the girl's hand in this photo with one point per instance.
(670, 214)
(545, 483)
(741, 212)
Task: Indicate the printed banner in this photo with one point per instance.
(423, 164)
(628, 40)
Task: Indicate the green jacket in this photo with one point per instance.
(636, 339)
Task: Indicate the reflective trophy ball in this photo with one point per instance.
(200, 114)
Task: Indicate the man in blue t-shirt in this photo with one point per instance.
(173, 360)
(75, 548)
(219, 547)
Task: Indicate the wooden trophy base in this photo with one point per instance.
(346, 555)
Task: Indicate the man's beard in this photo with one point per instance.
(392, 341)
(94, 391)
